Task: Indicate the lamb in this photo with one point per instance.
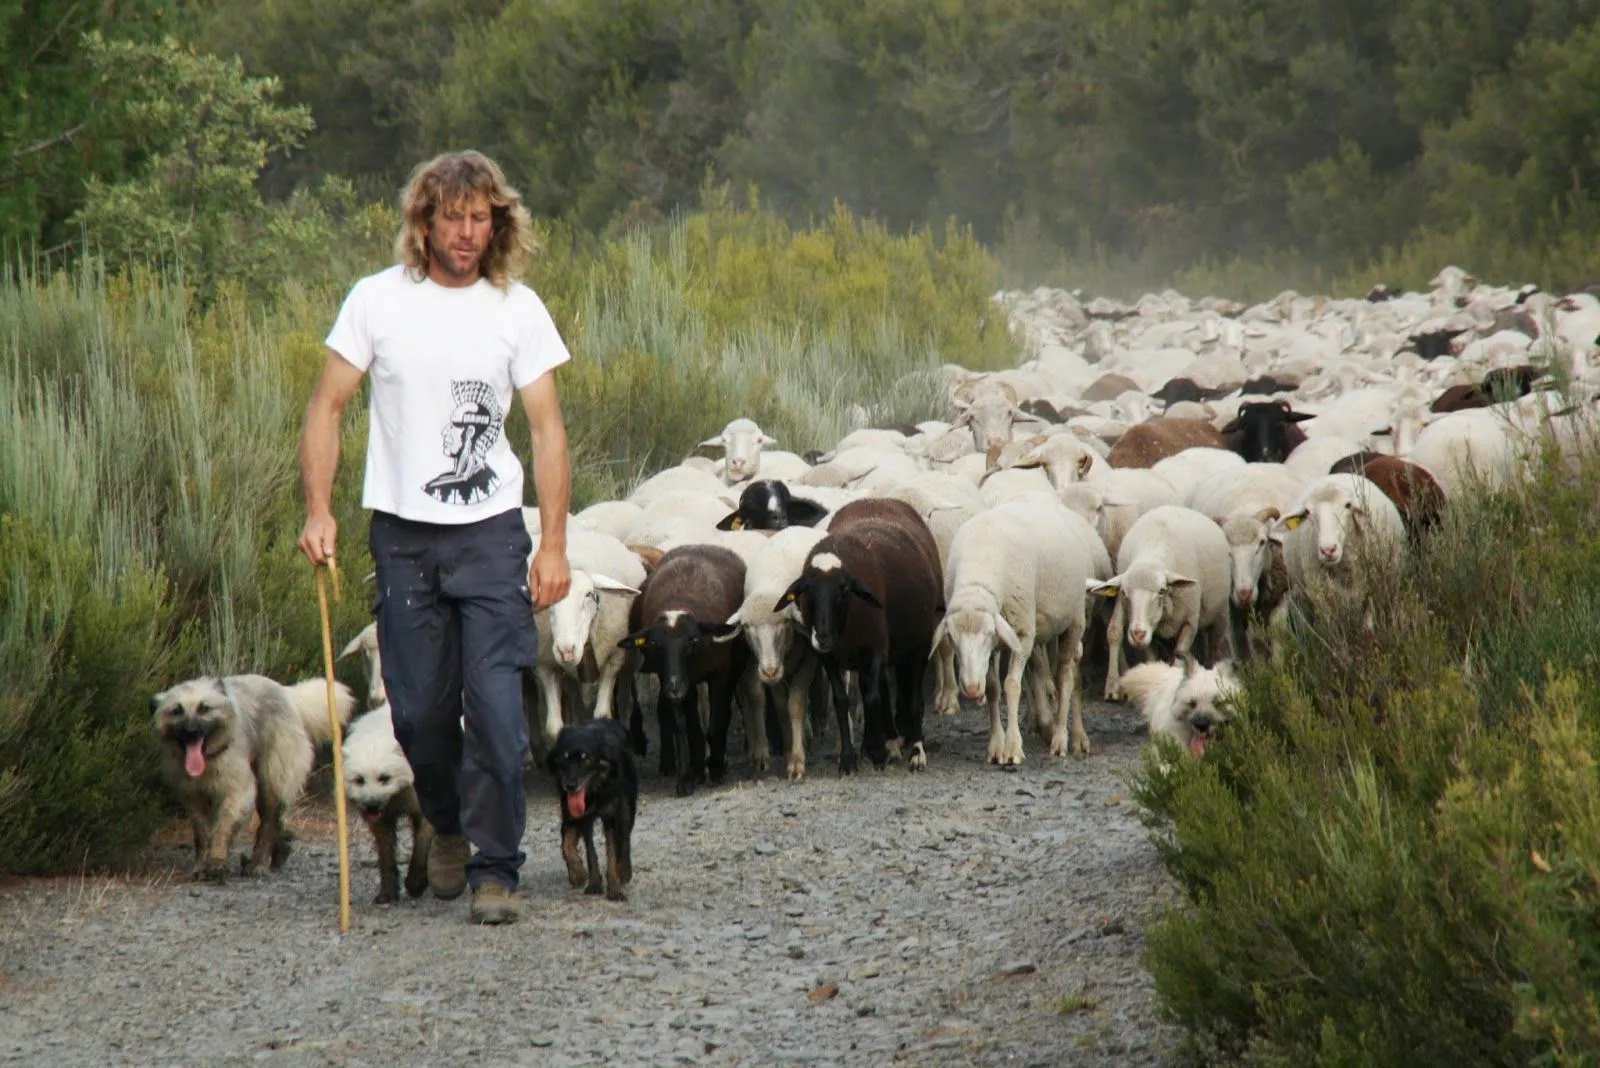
(1017, 576)
(1338, 524)
(741, 442)
(578, 634)
(379, 784)
(782, 663)
(1182, 702)
(680, 634)
(878, 552)
(366, 643)
(1146, 443)
(1172, 582)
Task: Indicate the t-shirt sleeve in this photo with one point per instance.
(350, 337)
(539, 346)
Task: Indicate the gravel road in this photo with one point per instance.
(966, 916)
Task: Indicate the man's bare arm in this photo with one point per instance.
(550, 575)
(319, 454)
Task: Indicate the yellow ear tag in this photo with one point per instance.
(638, 643)
(1292, 522)
(788, 597)
(1106, 591)
(738, 524)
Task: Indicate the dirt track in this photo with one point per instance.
(965, 916)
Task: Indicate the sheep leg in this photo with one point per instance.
(550, 689)
(1113, 690)
(908, 699)
(799, 691)
(627, 697)
(720, 691)
(754, 698)
(874, 687)
(991, 697)
(605, 692)
(946, 696)
(1011, 753)
(1041, 697)
(1222, 647)
(1068, 702)
(841, 711)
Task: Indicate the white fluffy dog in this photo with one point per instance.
(241, 744)
(379, 783)
(1180, 700)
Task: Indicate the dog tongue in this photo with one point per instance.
(194, 760)
(1197, 744)
(577, 803)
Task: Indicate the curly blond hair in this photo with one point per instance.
(448, 179)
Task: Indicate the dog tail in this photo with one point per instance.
(310, 700)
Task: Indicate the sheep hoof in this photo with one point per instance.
(1080, 744)
(919, 757)
(797, 769)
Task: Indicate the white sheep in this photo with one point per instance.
(1172, 582)
(578, 635)
(780, 661)
(674, 481)
(741, 442)
(1016, 578)
(1314, 457)
(1337, 524)
(1184, 469)
(366, 643)
(1244, 502)
(1462, 448)
(609, 517)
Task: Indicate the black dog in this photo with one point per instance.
(593, 768)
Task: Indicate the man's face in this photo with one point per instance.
(455, 439)
(458, 238)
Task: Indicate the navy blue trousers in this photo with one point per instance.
(455, 633)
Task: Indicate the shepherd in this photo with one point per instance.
(448, 334)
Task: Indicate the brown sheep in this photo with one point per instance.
(1156, 439)
(1411, 488)
(1109, 387)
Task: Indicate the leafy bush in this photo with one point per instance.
(1391, 857)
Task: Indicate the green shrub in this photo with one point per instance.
(1391, 857)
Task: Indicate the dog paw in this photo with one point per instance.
(1114, 693)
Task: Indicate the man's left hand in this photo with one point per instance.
(549, 578)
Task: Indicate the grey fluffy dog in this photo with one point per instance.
(240, 743)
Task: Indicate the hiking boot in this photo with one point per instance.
(447, 865)
(493, 903)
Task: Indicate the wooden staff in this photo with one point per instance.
(338, 744)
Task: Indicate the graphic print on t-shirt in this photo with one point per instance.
(475, 425)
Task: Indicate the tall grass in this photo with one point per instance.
(149, 497)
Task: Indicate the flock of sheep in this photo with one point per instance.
(1169, 475)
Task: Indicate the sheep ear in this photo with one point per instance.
(1007, 634)
(964, 419)
(1108, 588)
(1267, 515)
(720, 632)
(1179, 580)
(805, 513)
(737, 619)
(862, 592)
(1292, 521)
(637, 640)
(731, 521)
(796, 589)
(1299, 417)
(1381, 432)
(765, 439)
(1231, 428)
(713, 443)
(606, 584)
(1085, 464)
(940, 633)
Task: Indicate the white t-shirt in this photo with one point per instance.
(444, 365)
